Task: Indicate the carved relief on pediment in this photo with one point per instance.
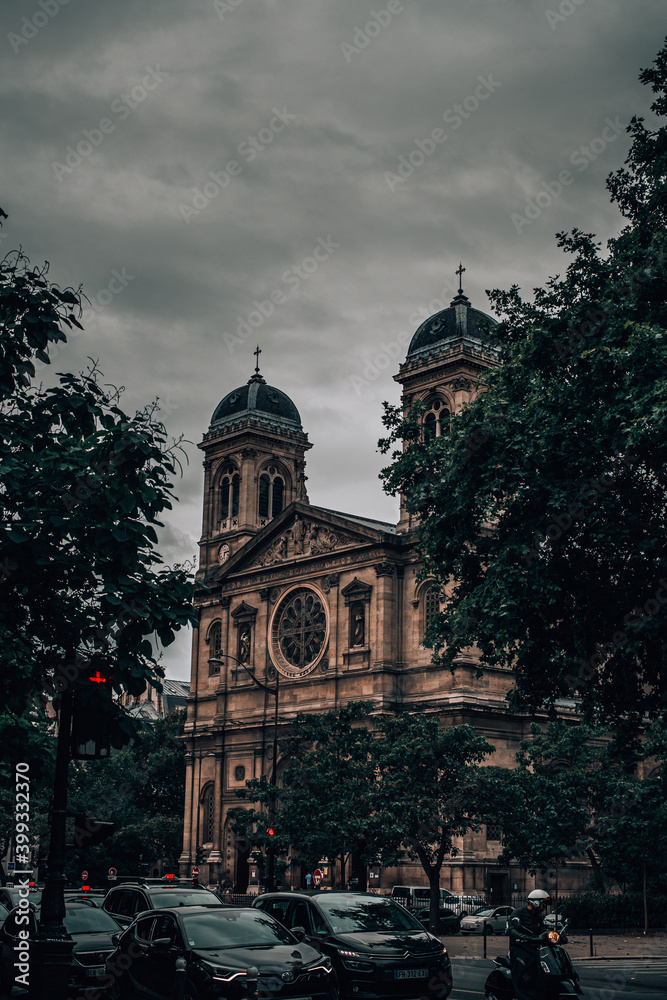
(303, 538)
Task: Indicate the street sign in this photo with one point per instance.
(84, 875)
(195, 871)
(317, 876)
(112, 873)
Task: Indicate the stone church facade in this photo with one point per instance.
(326, 607)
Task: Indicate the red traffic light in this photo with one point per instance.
(99, 678)
(271, 832)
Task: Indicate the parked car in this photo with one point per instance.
(219, 946)
(448, 922)
(551, 919)
(126, 900)
(92, 930)
(493, 919)
(462, 905)
(11, 894)
(418, 896)
(377, 947)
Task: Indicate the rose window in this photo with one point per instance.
(299, 632)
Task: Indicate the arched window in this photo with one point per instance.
(214, 647)
(436, 420)
(208, 813)
(271, 493)
(230, 486)
(431, 606)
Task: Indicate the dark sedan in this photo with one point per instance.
(378, 949)
(448, 922)
(92, 930)
(224, 949)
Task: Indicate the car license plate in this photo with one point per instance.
(410, 973)
(97, 970)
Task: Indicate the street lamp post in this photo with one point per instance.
(274, 692)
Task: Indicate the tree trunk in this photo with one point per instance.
(434, 901)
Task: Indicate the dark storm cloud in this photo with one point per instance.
(188, 88)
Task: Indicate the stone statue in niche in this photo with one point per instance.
(244, 643)
(357, 614)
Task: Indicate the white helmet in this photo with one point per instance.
(538, 897)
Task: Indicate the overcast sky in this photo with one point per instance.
(183, 159)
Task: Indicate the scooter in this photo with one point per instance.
(557, 977)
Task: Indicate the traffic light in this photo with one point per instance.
(271, 832)
(199, 856)
(92, 712)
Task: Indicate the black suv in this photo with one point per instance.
(377, 948)
(125, 900)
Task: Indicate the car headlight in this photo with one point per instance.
(324, 966)
(219, 972)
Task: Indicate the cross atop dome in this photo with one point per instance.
(460, 271)
(257, 377)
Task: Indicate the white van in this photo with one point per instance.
(418, 896)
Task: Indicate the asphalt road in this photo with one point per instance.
(601, 979)
(604, 979)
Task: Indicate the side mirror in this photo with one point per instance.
(161, 946)
(299, 933)
(115, 938)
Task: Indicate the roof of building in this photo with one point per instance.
(258, 399)
(368, 522)
(458, 322)
(177, 689)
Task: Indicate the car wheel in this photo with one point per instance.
(489, 929)
(190, 993)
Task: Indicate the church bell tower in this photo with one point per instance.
(254, 466)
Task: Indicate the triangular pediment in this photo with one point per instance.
(303, 532)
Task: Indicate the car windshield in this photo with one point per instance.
(175, 898)
(363, 914)
(84, 919)
(234, 929)
(482, 912)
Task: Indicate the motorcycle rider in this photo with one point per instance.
(527, 931)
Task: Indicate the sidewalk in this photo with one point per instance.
(629, 945)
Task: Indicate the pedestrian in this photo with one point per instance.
(309, 880)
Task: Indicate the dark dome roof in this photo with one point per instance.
(459, 321)
(260, 400)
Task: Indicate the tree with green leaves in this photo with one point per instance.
(386, 787)
(544, 507)
(430, 789)
(82, 488)
(324, 800)
(581, 794)
(84, 594)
